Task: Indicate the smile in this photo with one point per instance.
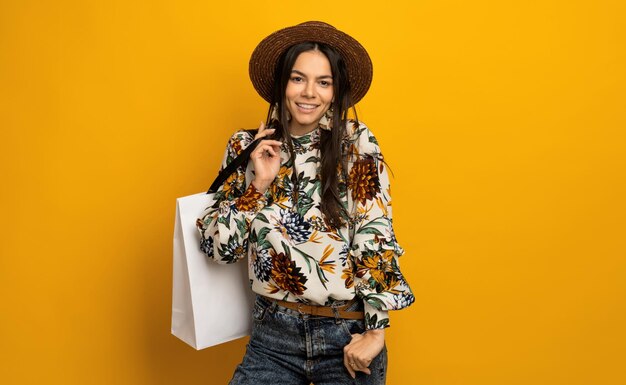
(306, 106)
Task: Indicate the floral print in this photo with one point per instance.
(261, 264)
(233, 250)
(292, 252)
(293, 226)
(363, 181)
(286, 276)
(248, 202)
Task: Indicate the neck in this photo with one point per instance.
(301, 130)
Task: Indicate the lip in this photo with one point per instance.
(306, 107)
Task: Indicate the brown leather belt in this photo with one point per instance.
(324, 311)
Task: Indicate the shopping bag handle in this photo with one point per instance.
(232, 166)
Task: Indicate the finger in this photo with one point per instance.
(271, 142)
(258, 153)
(362, 361)
(260, 131)
(270, 151)
(263, 131)
(263, 150)
(348, 366)
(356, 367)
(356, 363)
(364, 370)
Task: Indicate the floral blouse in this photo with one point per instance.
(293, 254)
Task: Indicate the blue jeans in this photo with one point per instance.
(290, 348)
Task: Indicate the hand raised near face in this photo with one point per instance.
(266, 159)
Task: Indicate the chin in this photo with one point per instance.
(307, 122)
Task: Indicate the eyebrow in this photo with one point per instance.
(319, 77)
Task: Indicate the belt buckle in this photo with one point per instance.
(299, 308)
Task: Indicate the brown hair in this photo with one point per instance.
(334, 212)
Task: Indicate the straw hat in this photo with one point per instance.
(265, 56)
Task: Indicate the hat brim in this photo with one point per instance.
(265, 56)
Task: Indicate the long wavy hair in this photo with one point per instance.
(332, 160)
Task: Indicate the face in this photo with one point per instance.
(309, 91)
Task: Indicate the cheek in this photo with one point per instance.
(290, 92)
(328, 95)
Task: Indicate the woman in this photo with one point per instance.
(312, 212)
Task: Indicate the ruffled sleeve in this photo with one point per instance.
(374, 249)
(225, 226)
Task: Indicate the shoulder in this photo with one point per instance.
(360, 140)
(239, 140)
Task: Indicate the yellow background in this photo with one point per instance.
(503, 122)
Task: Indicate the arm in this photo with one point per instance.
(224, 227)
(374, 250)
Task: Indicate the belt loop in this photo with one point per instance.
(272, 308)
(337, 316)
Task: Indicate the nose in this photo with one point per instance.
(307, 90)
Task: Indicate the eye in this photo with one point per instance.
(326, 83)
(296, 79)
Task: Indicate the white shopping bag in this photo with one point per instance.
(211, 303)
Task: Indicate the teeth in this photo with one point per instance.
(307, 106)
